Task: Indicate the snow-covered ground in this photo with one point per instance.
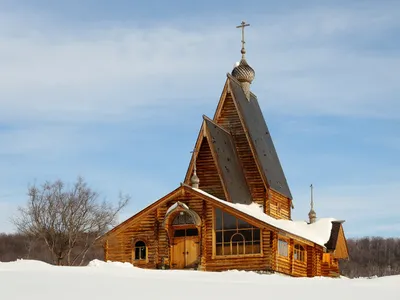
(33, 280)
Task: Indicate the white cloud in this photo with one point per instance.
(302, 61)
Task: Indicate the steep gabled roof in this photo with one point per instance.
(260, 139)
(229, 166)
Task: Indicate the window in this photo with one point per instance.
(299, 253)
(183, 218)
(140, 250)
(186, 232)
(234, 236)
(283, 248)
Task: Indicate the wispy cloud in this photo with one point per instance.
(305, 61)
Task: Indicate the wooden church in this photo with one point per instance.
(233, 210)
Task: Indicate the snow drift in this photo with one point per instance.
(26, 279)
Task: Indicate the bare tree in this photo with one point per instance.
(68, 220)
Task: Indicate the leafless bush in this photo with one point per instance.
(68, 220)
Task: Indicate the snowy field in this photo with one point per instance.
(33, 280)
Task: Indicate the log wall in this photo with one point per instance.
(207, 172)
(330, 266)
(278, 205)
(148, 228)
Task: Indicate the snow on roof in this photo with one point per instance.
(175, 205)
(318, 232)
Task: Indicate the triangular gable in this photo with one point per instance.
(260, 139)
(229, 166)
(142, 213)
(337, 242)
(189, 171)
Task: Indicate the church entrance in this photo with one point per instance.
(185, 242)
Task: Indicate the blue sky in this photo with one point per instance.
(115, 91)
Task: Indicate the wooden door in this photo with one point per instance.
(178, 253)
(185, 252)
(192, 251)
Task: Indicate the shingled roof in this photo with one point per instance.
(231, 171)
(261, 140)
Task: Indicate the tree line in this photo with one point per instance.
(372, 256)
(369, 256)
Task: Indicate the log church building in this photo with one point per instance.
(233, 209)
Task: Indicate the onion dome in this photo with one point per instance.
(195, 180)
(243, 72)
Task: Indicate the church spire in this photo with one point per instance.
(312, 214)
(243, 72)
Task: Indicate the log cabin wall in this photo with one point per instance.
(284, 261)
(207, 172)
(121, 246)
(311, 261)
(149, 229)
(278, 205)
(300, 262)
(329, 266)
(229, 119)
(319, 253)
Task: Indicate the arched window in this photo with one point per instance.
(299, 252)
(183, 218)
(237, 244)
(140, 250)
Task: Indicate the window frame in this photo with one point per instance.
(237, 232)
(279, 243)
(134, 248)
(299, 253)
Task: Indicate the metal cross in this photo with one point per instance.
(243, 25)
